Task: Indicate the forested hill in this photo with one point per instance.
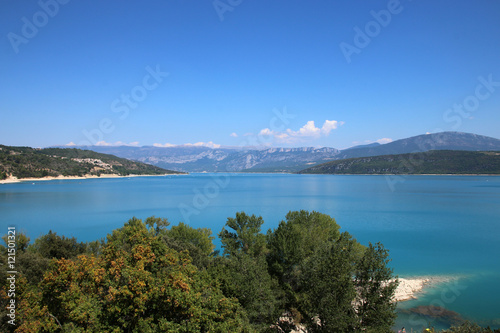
(26, 162)
(430, 162)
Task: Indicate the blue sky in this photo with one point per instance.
(241, 72)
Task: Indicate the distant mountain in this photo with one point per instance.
(430, 162)
(370, 145)
(250, 159)
(25, 162)
(199, 159)
(426, 142)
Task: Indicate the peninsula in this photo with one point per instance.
(25, 163)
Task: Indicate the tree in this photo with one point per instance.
(469, 327)
(292, 243)
(53, 246)
(245, 237)
(375, 285)
(197, 242)
(157, 225)
(137, 284)
(247, 279)
(329, 287)
(243, 271)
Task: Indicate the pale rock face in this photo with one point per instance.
(407, 288)
(411, 287)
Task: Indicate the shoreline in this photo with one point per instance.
(14, 180)
(409, 288)
(402, 174)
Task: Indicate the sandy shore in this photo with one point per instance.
(11, 180)
(409, 288)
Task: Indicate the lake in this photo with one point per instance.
(432, 225)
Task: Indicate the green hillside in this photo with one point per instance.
(430, 162)
(26, 162)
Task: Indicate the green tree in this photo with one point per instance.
(469, 327)
(201, 238)
(247, 279)
(157, 225)
(53, 246)
(292, 243)
(243, 235)
(197, 242)
(329, 287)
(243, 271)
(137, 284)
(375, 285)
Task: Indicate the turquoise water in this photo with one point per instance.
(432, 225)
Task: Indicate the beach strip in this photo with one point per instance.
(11, 180)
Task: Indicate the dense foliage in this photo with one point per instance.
(466, 327)
(150, 277)
(430, 162)
(25, 162)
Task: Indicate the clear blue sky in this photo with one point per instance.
(72, 67)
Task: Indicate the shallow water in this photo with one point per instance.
(432, 225)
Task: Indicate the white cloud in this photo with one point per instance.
(234, 135)
(164, 145)
(266, 132)
(384, 140)
(103, 143)
(209, 144)
(117, 143)
(330, 125)
(308, 131)
(282, 136)
(70, 144)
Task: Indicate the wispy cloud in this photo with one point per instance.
(209, 144)
(163, 145)
(234, 135)
(384, 140)
(108, 144)
(117, 143)
(307, 132)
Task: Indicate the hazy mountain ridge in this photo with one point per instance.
(426, 142)
(457, 162)
(251, 159)
(199, 159)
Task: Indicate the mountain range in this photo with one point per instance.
(435, 162)
(251, 159)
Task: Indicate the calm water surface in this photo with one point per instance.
(432, 225)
